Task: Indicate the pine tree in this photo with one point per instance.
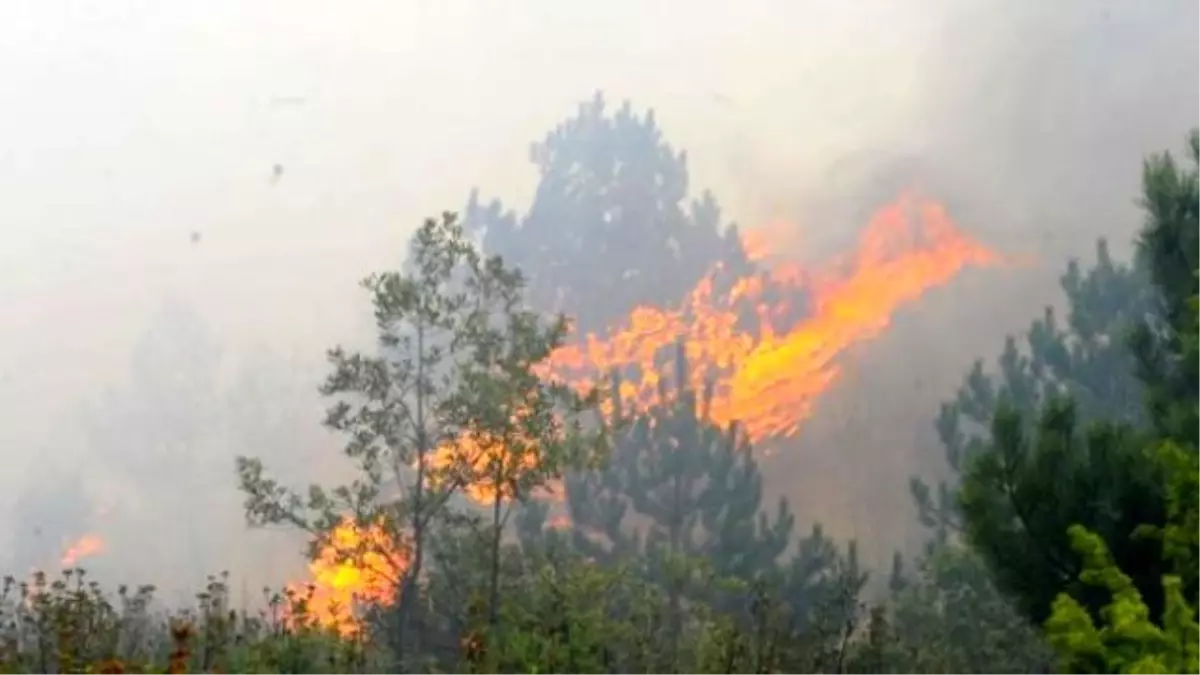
(678, 491)
(609, 228)
(1014, 435)
(1137, 633)
(1055, 470)
(1168, 247)
(1088, 361)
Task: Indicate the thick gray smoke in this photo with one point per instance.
(1035, 119)
(251, 161)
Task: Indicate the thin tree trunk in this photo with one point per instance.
(676, 610)
(411, 576)
(494, 590)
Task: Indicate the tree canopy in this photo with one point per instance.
(1062, 473)
(611, 225)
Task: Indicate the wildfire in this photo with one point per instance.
(482, 459)
(355, 568)
(769, 343)
(86, 546)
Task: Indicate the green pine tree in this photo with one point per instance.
(1087, 360)
(1048, 466)
(1167, 247)
(1021, 435)
(678, 488)
(1131, 633)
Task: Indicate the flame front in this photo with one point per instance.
(87, 545)
(769, 343)
(357, 567)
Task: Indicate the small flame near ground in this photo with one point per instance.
(769, 342)
(86, 546)
(357, 567)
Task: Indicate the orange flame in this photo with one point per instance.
(478, 457)
(767, 367)
(769, 343)
(87, 545)
(356, 567)
(359, 567)
(559, 522)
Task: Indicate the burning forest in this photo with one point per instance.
(571, 447)
(766, 344)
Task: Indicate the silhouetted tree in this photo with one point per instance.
(159, 434)
(609, 228)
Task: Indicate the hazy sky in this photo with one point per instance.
(130, 124)
(135, 123)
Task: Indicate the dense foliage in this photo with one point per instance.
(70, 625)
(1136, 633)
(1079, 403)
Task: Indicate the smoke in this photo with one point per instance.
(1063, 102)
(1029, 119)
(1042, 113)
(140, 123)
(1033, 122)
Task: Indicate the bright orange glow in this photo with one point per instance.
(479, 456)
(769, 343)
(559, 522)
(87, 545)
(356, 568)
(767, 357)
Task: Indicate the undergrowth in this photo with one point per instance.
(70, 624)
